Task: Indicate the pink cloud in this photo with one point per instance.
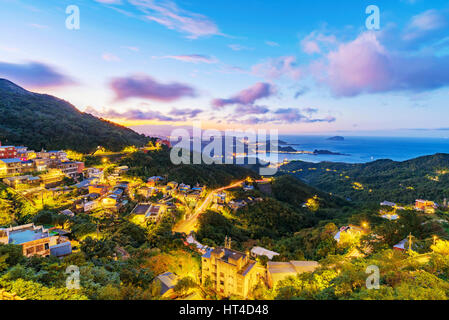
(312, 43)
(366, 66)
(277, 68)
(141, 86)
(168, 14)
(192, 58)
(248, 96)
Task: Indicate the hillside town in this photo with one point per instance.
(51, 180)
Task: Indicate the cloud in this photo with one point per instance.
(272, 43)
(312, 43)
(365, 66)
(192, 58)
(248, 96)
(131, 48)
(34, 74)
(132, 114)
(168, 14)
(142, 86)
(238, 47)
(283, 116)
(294, 115)
(38, 26)
(186, 113)
(427, 24)
(110, 57)
(109, 1)
(242, 110)
(300, 92)
(277, 68)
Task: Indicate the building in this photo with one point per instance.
(277, 271)
(231, 272)
(39, 164)
(52, 178)
(92, 173)
(167, 282)
(10, 167)
(71, 169)
(35, 240)
(259, 251)
(22, 182)
(99, 188)
(220, 198)
(154, 213)
(7, 152)
(425, 205)
(67, 212)
(121, 170)
(388, 204)
(146, 192)
(346, 233)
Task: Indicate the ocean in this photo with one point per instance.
(364, 149)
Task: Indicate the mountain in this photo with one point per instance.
(403, 182)
(41, 121)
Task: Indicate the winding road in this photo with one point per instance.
(188, 225)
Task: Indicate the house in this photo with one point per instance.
(248, 187)
(141, 209)
(92, 173)
(71, 168)
(199, 247)
(259, 251)
(22, 182)
(183, 187)
(347, 232)
(390, 216)
(90, 205)
(101, 189)
(7, 152)
(172, 184)
(388, 204)
(35, 240)
(121, 170)
(167, 282)
(154, 213)
(220, 198)
(231, 272)
(10, 167)
(277, 271)
(67, 212)
(39, 164)
(234, 205)
(146, 192)
(165, 142)
(425, 205)
(401, 246)
(110, 201)
(52, 178)
(151, 182)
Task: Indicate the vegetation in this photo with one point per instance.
(402, 182)
(44, 122)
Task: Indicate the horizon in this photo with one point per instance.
(164, 63)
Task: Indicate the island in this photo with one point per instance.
(336, 138)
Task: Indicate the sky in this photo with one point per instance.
(301, 67)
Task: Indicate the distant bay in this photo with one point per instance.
(363, 149)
